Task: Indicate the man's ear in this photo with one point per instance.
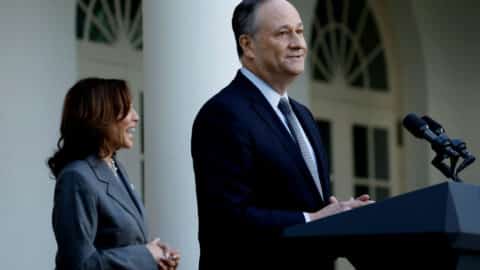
(247, 45)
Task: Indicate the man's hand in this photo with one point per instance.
(336, 206)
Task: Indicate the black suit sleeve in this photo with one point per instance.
(226, 167)
(75, 220)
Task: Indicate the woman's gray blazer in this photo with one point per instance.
(98, 220)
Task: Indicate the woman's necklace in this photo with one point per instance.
(113, 166)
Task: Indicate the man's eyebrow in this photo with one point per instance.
(287, 26)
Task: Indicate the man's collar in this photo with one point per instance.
(270, 94)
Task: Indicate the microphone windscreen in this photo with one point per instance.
(414, 124)
(433, 125)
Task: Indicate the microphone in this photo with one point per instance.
(433, 125)
(458, 145)
(420, 129)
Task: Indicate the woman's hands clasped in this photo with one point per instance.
(166, 258)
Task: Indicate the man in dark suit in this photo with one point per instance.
(258, 158)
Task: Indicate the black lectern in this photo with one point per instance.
(437, 227)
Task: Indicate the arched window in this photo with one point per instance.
(112, 22)
(354, 97)
(346, 45)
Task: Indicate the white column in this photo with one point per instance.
(37, 65)
(190, 55)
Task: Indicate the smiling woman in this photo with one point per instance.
(98, 219)
(94, 112)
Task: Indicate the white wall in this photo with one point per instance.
(37, 66)
(450, 41)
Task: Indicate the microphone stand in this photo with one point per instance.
(448, 171)
(461, 147)
(443, 149)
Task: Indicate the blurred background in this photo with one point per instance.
(370, 63)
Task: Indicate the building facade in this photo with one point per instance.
(370, 63)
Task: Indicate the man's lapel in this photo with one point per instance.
(265, 111)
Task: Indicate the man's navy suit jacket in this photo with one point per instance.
(251, 179)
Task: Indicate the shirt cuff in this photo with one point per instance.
(307, 217)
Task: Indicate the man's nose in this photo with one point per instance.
(297, 41)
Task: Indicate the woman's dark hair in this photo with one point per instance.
(90, 109)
